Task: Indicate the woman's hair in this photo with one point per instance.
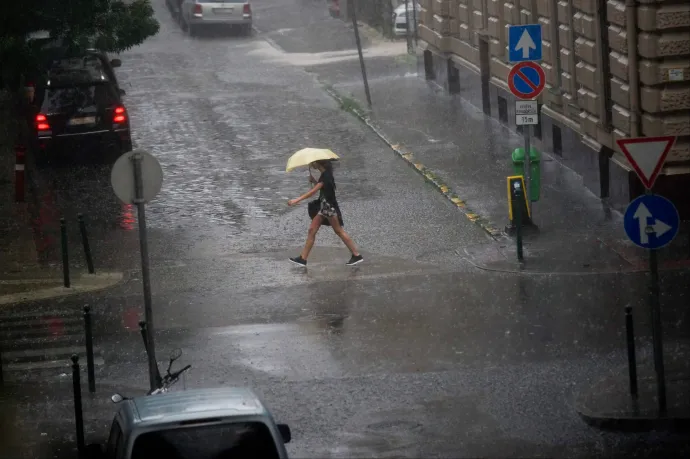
(327, 166)
(325, 163)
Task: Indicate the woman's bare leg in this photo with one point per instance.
(311, 236)
(342, 234)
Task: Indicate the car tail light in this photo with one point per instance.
(247, 9)
(198, 9)
(42, 122)
(120, 115)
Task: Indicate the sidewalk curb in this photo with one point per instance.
(428, 175)
(85, 283)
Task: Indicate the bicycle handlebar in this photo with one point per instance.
(175, 375)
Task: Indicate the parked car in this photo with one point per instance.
(80, 108)
(200, 14)
(194, 424)
(400, 18)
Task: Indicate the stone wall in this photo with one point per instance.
(586, 62)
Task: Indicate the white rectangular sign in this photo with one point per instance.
(526, 120)
(526, 107)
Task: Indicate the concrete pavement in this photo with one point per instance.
(466, 155)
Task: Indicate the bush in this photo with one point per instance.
(110, 25)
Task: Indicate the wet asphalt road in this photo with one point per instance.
(413, 354)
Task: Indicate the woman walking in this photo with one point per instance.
(328, 212)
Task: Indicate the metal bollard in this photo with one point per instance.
(65, 256)
(142, 329)
(632, 361)
(2, 379)
(518, 225)
(19, 173)
(78, 413)
(89, 349)
(85, 242)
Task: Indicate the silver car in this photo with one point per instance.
(199, 14)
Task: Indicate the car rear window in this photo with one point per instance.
(244, 440)
(63, 98)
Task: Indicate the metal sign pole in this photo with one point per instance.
(353, 4)
(647, 155)
(414, 15)
(146, 280)
(528, 193)
(408, 38)
(657, 341)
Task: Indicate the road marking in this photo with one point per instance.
(42, 341)
(47, 365)
(54, 352)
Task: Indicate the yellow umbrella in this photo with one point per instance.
(306, 156)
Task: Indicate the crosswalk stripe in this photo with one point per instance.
(36, 315)
(48, 365)
(45, 331)
(34, 345)
(46, 353)
(44, 322)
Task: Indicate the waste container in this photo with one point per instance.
(518, 159)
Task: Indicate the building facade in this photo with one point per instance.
(614, 69)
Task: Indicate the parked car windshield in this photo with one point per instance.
(251, 440)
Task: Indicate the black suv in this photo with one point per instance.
(80, 108)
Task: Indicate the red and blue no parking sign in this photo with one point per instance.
(526, 80)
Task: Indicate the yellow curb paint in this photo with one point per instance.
(408, 157)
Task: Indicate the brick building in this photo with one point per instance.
(614, 69)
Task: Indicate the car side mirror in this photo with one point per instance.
(116, 63)
(284, 430)
(94, 451)
(122, 92)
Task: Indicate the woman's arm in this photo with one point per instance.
(306, 195)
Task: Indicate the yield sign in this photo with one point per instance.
(646, 155)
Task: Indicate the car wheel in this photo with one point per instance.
(192, 30)
(246, 29)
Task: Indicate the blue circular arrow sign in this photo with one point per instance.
(651, 221)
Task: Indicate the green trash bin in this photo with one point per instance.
(518, 159)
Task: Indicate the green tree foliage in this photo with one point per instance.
(109, 25)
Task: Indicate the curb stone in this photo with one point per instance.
(429, 176)
(84, 283)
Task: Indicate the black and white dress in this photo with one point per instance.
(329, 203)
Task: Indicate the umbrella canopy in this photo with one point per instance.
(306, 156)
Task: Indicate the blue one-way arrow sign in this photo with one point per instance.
(524, 43)
(651, 221)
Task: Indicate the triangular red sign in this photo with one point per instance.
(647, 155)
